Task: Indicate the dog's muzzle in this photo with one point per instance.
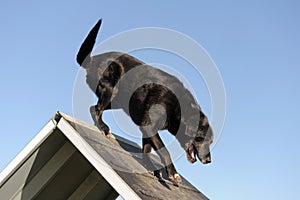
(192, 153)
(206, 159)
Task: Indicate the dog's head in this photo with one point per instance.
(200, 146)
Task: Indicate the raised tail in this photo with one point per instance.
(88, 44)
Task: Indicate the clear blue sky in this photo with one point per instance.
(255, 45)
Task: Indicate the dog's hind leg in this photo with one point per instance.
(96, 113)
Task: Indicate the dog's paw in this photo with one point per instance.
(156, 173)
(109, 135)
(175, 178)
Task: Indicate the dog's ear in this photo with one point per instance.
(83, 56)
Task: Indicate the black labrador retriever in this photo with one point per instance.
(154, 99)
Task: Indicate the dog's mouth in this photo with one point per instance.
(191, 153)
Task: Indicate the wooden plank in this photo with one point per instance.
(86, 186)
(27, 152)
(97, 161)
(49, 170)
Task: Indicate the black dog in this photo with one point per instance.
(154, 99)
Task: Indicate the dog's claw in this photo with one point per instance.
(175, 178)
(151, 173)
(110, 135)
(156, 173)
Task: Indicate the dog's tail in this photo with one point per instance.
(86, 48)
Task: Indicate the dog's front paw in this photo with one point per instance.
(172, 174)
(175, 178)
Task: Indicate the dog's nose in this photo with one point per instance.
(206, 159)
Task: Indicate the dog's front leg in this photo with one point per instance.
(158, 145)
(147, 158)
(165, 157)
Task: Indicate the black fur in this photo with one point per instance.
(156, 101)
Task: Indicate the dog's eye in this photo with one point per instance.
(199, 139)
(201, 128)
